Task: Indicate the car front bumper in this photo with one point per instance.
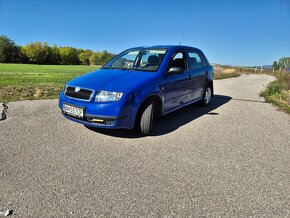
(112, 115)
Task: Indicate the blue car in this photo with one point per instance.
(137, 86)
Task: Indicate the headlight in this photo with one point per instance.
(104, 96)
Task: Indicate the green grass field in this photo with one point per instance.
(27, 81)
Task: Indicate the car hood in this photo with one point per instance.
(112, 80)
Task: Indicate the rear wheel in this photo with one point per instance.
(206, 96)
(147, 118)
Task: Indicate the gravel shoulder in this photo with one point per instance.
(231, 159)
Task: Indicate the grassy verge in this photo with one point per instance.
(278, 92)
(27, 81)
(225, 75)
(224, 72)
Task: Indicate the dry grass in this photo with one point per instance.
(224, 72)
(12, 93)
(230, 70)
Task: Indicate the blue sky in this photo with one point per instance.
(237, 32)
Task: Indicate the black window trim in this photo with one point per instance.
(184, 53)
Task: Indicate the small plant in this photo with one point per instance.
(275, 88)
(278, 93)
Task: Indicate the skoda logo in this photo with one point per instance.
(77, 89)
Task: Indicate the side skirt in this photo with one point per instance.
(181, 106)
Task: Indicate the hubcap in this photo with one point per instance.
(207, 95)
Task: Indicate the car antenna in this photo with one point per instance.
(181, 38)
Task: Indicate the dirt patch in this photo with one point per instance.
(22, 93)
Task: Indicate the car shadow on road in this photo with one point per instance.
(172, 121)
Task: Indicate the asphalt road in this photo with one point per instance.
(231, 159)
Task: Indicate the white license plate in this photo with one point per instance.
(74, 111)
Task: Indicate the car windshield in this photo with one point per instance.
(138, 59)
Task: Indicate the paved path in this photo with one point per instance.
(230, 159)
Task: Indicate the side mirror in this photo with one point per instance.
(176, 70)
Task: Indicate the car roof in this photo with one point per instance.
(166, 47)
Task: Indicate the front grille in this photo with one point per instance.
(83, 94)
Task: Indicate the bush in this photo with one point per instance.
(278, 93)
(274, 89)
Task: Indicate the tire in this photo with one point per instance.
(206, 96)
(147, 118)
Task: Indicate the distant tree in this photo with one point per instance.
(69, 55)
(96, 58)
(22, 56)
(9, 51)
(37, 52)
(100, 58)
(54, 55)
(84, 56)
(106, 56)
(276, 65)
(284, 62)
(42, 53)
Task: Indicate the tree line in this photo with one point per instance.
(282, 63)
(43, 53)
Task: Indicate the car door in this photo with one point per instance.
(197, 68)
(177, 87)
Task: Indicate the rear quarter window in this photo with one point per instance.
(196, 60)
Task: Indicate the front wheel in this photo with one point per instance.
(147, 118)
(206, 96)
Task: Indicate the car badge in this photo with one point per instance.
(77, 89)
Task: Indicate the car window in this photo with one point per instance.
(179, 60)
(195, 60)
(178, 55)
(127, 61)
(138, 60)
(151, 59)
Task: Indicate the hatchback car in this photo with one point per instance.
(138, 85)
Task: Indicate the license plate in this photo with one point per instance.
(74, 111)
